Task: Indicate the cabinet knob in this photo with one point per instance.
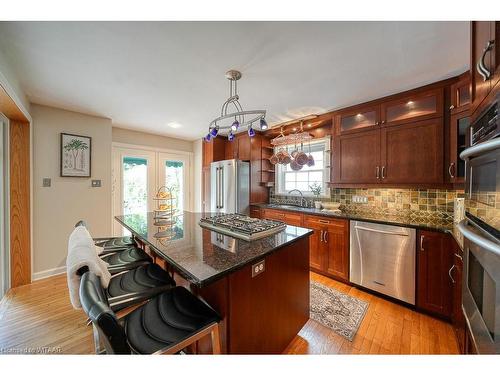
(422, 243)
(383, 121)
(451, 170)
(452, 107)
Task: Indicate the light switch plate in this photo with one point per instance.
(46, 182)
(258, 268)
(96, 183)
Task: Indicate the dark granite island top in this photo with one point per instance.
(200, 255)
(262, 311)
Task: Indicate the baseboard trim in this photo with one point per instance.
(47, 273)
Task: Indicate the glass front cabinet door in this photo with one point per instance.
(417, 107)
(357, 119)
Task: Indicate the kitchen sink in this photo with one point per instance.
(289, 206)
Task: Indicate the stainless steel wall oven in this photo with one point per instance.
(481, 230)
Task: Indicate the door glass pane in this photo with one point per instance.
(463, 124)
(412, 108)
(135, 186)
(463, 95)
(174, 179)
(358, 121)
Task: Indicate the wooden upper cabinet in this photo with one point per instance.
(213, 151)
(485, 59)
(413, 153)
(495, 55)
(244, 147)
(459, 123)
(416, 107)
(357, 119)
(460, 96)
(357, 157)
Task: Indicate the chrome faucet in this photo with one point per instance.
(303, 201)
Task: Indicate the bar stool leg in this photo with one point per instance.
(214, 334)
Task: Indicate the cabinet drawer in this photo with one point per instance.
(318, 221)
(291, 218)
(255, 212)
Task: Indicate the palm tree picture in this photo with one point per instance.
(75, 155)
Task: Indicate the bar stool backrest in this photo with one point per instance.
(96, 306)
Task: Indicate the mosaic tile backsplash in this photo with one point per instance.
(424, 203)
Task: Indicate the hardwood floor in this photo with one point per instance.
(39, 317)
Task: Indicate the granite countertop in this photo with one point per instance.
(441, 225)
(200, 255)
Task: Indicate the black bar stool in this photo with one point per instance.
(166, 324)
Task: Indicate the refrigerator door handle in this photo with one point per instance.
(216, 187)
(222, 188)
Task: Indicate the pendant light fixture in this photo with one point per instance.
(232, 116)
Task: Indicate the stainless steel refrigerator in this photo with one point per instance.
(230, 186)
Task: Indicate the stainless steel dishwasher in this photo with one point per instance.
(383, 259)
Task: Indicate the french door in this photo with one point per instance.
(137, 176)
(173, 172)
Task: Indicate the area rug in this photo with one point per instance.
(335, 310)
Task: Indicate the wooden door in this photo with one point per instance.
(413, 153)
(317, 248)
(480, 36)
(357, 157)
(244, 147)
(460, 97)
(459, 123)
(336, 239)
(457, 315)
(495, 53)
(415, 107)
(434, 260)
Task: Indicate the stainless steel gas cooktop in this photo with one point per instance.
(241, 226)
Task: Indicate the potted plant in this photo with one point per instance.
(316, 190)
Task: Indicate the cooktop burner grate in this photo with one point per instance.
(242, 226)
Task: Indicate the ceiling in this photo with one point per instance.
(150, 76)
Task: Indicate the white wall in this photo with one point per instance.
(198, 152)
(10, 82)
(56, 209)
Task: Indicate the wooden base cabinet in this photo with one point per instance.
(435, 258)
(329, 246)
(457, 315)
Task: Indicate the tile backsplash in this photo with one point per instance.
(432, 203)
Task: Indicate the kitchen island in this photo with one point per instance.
(260, 287)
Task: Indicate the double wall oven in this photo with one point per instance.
(481, 230)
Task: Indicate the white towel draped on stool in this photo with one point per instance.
(82, 252)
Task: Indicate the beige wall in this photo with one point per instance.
(121, 135)
(56, 209)
(198, 151)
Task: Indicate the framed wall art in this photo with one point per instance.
(76, 152)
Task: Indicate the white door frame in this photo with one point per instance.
(4, 207)
(131, 149)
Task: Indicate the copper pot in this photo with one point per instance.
(295, 166)
(273, 159)
(310, 161)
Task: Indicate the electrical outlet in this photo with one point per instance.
(46, 182)
(359, 199)
(96, 183)
(258, 268)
